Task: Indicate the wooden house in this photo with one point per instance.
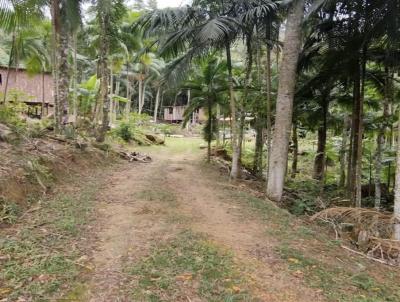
(175, 113)
(37, 89)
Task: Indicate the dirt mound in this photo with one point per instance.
(30, 168)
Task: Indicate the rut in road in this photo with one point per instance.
(128, 225)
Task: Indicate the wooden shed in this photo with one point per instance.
(38, 88)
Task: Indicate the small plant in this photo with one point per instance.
(9, 211)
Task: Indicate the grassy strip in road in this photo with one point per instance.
(187, 267)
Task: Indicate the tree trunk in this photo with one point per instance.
(380, 141)
(397, 189)
(217, 125)
(320, 158)
(269, 113)
(343, 152)
(63, 79)
(9, 68)
(104, 75)
(284, 109)
(356, 162)
(140, 95)
(295, 150)
(128, 92)
(258, 150)
(43, 96)
(55, 21)
(210, 129)
(234, 130)
(75, 80)
(157, 103)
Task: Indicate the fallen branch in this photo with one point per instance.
(366, 256)
(135, 156)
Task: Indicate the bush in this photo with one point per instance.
(125, 131)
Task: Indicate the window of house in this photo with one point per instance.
(171, 110)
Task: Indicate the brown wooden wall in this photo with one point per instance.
(30, 84)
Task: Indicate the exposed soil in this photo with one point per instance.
(129, 225)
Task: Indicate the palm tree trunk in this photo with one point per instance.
(397, 189)
(157, 103)
(343, 152)
(55, 21)
(75, 80)
(295, 149)
(104, 75)
(234, 130)
(63, 79)
(9, 68)
(284, 110)
(320, 158)
(210, 129)
(358, 133)
(268, 105)
(43, 96)
(380, 141)
(128, 92)
(141, 95)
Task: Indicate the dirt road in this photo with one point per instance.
(147, 204)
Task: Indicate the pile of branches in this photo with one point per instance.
(135, 156)
(370, 231)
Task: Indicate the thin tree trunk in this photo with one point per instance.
(9, 68)
(210, 128)
(320, 158)
(128, 92)
(217, 125)
(104, 75)
(284, 109)
(43, 96)
(157, 103)
(343, 152)
(75, 80)
(140, 95)
(234, 130)
(269, 113)
(397, 188)
(358, 133)
(380, 141)
(295, 150)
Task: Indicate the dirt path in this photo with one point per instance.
(184, 194)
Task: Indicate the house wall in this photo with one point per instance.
(174, 114)
(29, 84)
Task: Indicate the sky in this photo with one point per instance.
(170, 3)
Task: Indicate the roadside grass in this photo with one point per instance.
(42, 258)
(310, 254)
(187, 266)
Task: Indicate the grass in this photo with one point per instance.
(158, 194)
(310, 254)
(40, 260)
(187, 266)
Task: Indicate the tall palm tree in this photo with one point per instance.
(284, 105)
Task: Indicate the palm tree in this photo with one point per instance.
(207, 87)
(284, 106)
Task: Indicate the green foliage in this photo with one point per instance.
(11, 115)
